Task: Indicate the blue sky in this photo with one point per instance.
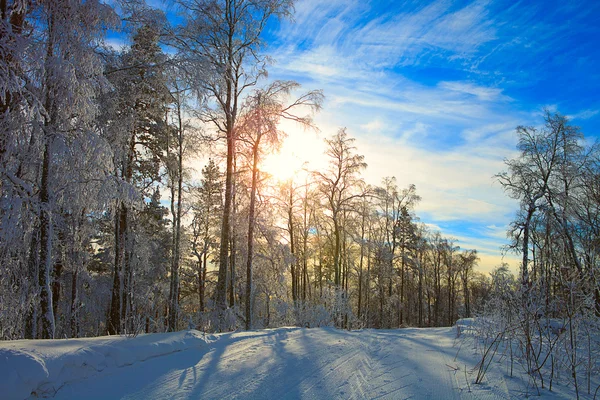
(433, 92)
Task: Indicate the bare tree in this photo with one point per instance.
(222, 38)
(259, 129)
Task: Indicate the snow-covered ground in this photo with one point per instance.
(284, 363)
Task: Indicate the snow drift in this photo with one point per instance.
(41, 367)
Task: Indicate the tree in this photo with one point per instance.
(467, 261)
(395, 208)
(259, 129)
(528, 177)
(223, 38)
(136, 123)
(338, 186)
(185, 139)
(205, 223)
(71, 72)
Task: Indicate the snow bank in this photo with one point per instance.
(465, 326)
(41, 367)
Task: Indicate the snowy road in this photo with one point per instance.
(290, 363)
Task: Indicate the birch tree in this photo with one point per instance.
(259, 129)
(223, 38)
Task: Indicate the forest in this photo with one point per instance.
(106, 228)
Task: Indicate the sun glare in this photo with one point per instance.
(299, 152)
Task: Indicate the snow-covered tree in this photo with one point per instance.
(135, 121)
(223, 39)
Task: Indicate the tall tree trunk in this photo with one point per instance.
(45, 259)
(203, 287)
(233, 238)
(368, 287)
(113, 324)
(360, 264)
(32, 274)
(420, 294)
(336, 253)
(121, 271)
(46, 307)
(176, 213)
(251, 222)
(230, 109)
(74, 305)
(221, 292)
(305, 245)
(402, 272)
(232, 269)
(56, 275)
(294, 265)
(112, 321)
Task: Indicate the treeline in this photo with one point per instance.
(547, 319)
(93, 140)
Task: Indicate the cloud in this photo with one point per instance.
(409, 37)
(412, 35)
(584, 114)
(482, 93)
(373, 126)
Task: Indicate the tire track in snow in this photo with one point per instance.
(302, 364)
(333, 367)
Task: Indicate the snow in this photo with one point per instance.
(42, 367)
(283, 363)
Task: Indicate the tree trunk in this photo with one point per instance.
(232, 268)
(176, 213)
(360, 265)
(336, 253)
(33, 272)
(56, 287)
(294, 265)
(368, 286)
(402, 272)
(203, 286)
(74, 305)
(221, 293)
(251, 221)
(420, 295)
(113, 324)
(305, 245)
(45, 259)
(121, 270)
(46, 307)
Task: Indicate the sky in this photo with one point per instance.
(433, 92)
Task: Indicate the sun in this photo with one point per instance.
(282, 166)
(300, 151)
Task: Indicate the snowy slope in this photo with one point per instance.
(284, 363)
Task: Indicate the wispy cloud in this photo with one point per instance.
(482, 93)
(584, 114)
(412, 37)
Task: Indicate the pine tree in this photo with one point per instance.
(138, 127)
(206, 224)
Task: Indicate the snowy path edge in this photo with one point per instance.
(42, 367)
